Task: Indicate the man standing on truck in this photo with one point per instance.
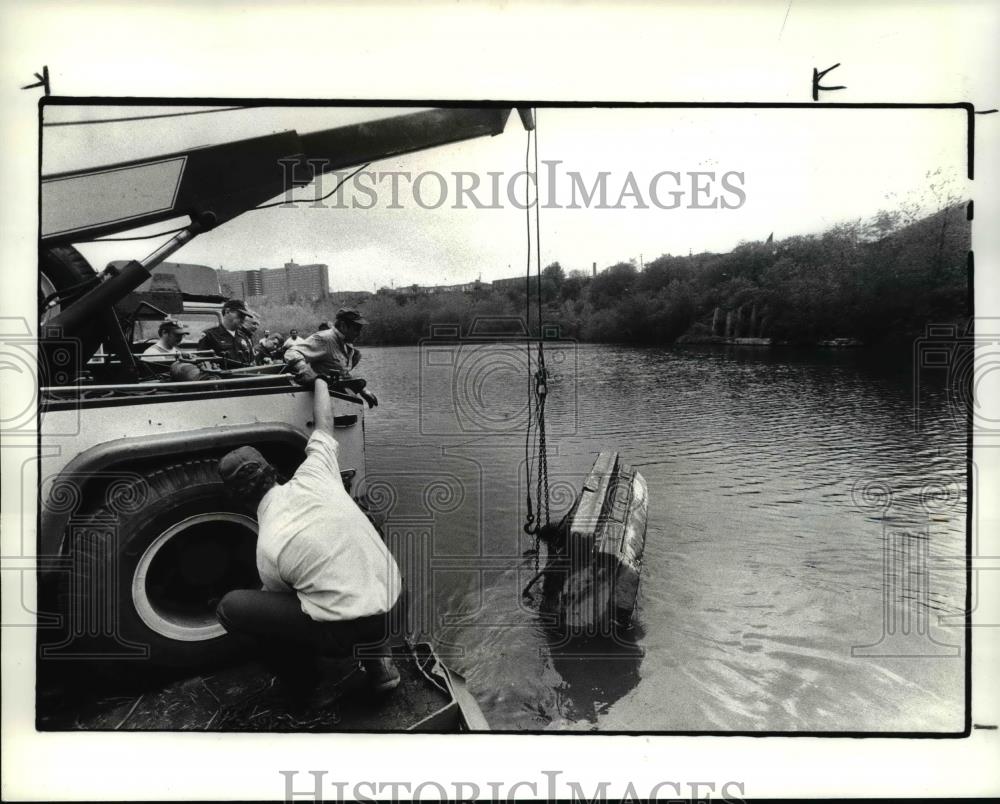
(331, 587)
(332, 353)
(228, 340)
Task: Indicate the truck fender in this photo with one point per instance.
(55, 516)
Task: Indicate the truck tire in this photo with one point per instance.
(61, 267)
(150, 565)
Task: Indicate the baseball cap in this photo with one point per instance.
(173, 325)
(236, 304)
(350, 314)
(241, 462)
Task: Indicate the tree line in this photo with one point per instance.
(877, 280)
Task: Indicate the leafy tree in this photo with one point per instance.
(553, 277)
(612, 284)
(572, 286)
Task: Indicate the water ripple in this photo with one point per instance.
(765, 568)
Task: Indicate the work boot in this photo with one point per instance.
(382, 674)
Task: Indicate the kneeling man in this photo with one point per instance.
(331, 587)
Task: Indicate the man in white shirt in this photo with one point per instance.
(166, 350)
(330, 585)
(293, 339)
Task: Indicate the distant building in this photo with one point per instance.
(408, 290)
(507, 284)
(293, 282)
(306, 282)
(252, 283)
(424, 290)
(273, 284)
(464, 287)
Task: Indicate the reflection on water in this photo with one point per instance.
(586, 694)
(803, 555)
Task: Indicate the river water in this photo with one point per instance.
(802, 569)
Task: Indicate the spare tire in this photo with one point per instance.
(150, 565)
(61, 268)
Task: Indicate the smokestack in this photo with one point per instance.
(594, 270)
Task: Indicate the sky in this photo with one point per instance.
(786, 171)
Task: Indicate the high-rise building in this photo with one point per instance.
(253, 283)
(306, 282)
(273, 284)
(238, 284)
(293, 282)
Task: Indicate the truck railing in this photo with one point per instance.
(152, 389)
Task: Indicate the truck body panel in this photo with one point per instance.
(75, 427)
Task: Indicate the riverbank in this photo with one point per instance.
(863, 283)
(718, 340)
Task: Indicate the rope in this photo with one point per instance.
(541, 383)
(529, 523)
(541, 391)
(537, 380)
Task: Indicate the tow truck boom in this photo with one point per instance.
(214, 184)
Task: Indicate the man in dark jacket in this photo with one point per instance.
(250, 327)
(228, 340)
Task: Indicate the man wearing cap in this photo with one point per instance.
(166, 349)
(332, 353)
(228, 339)
(250, 326)
(330, 586)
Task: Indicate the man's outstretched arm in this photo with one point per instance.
(299, 365)
(322, 406)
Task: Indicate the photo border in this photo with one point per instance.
(971, 112)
